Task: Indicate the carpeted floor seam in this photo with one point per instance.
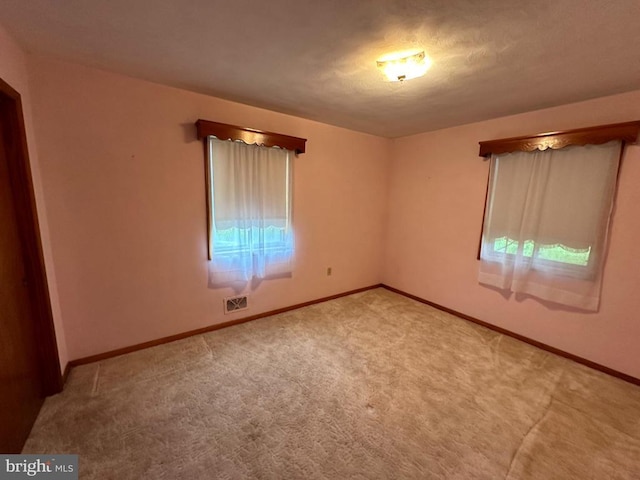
(96, 382)
(526, 435)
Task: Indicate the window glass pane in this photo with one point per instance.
(249, 239)
(553, 253)
(560, 253)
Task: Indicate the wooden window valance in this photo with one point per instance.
(223, 131)
(627, 132)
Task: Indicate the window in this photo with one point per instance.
(547, 216)
(549, 210)
(250, 210)
(249, 199)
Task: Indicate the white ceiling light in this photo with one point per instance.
(402, 67)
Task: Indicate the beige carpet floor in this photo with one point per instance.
(369, 386)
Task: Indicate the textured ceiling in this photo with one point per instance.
(317, 58)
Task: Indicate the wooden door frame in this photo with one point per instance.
(17, 154)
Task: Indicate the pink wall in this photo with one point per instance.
(13, 70)
(123, 179)
(435, 208)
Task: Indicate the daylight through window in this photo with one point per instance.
(251, 233)
(546, 221)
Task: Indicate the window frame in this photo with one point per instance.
(250, 136)
(267, 245)
(626, 132)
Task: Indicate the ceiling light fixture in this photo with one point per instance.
(403, 68)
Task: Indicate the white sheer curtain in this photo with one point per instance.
(250, 211)
(546, 222)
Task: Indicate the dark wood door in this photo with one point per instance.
(29, 367)
(21, 396)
